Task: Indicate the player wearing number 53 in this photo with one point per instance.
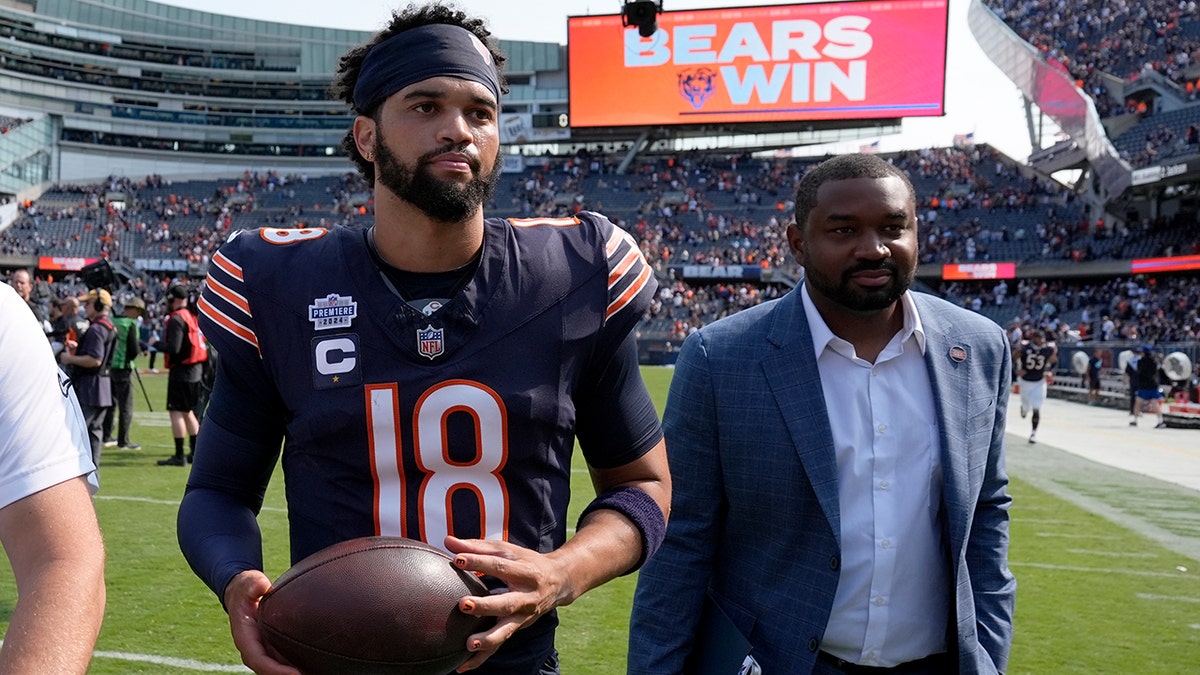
(429, 375)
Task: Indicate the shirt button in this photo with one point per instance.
(883, 485)
(879, 601)
(882, 428)
(886, 543)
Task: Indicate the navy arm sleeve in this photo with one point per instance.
(236, 453)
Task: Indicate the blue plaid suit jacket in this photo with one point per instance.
(755, 517)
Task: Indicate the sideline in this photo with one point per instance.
(1103, 435)
(1142, 478)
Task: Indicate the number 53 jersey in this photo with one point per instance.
(400, 422)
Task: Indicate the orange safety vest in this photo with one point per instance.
(196, 352)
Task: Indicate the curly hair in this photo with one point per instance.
(842, 167)
(413, 16)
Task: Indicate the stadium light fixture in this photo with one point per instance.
(643, 14)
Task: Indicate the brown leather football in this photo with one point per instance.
(372, 605)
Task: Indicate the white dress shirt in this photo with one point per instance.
(892, 603)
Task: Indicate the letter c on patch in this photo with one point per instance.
(336, 356)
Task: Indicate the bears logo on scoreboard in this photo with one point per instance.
(696, 85)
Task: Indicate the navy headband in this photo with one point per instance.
(421, 53)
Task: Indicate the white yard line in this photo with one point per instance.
(1168, 598)
(167, 502)
(186, 664)
(1113, 554)
(1100, 570)
(1073, 535)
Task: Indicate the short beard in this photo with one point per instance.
(845, 294)
(442, 201)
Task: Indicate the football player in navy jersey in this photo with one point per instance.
(1035, 361)
(429, 376)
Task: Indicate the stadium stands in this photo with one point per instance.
(201, 95)
(1121, 308)
(1159, 137)
(690, 209)
(1123, 39)
(1131, 58)
(149, 88)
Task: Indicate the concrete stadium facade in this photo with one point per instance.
(133, 88)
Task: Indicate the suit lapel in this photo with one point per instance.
(948, 373)
(791, 373)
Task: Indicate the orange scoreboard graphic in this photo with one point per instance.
(824, 61)
(1002, 270)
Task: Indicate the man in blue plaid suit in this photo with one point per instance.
(837, 458)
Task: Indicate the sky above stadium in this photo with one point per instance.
(979, 99)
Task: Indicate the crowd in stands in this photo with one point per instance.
(691, 209)
(124, 219)
(1114, 315)
(1161, 143)
(1121, 38)
(1128, 41)
(1162, 309)
(681, 308)
(975, 205)
(713, 209)
(1153, 309)
(1178, 136)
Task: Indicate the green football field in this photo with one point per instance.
(1093, 597)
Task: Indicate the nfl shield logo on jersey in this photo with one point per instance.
(429, 341)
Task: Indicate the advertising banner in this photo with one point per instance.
(963, 271)
(56, 263)
(1181, 263)
(826, 61)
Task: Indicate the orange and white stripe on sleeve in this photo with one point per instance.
(628, 272)
(223, 302)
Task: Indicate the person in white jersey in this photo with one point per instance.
(47, 523)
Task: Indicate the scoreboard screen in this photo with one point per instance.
(783, 63)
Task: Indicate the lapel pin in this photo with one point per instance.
(958, 354)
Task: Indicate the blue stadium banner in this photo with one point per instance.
(161, 264)
(716, 271)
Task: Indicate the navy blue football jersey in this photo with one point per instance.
(458, 422)
(1035, 360)
(395, 421)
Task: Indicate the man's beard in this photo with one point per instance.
(443, 201)
(847, 294)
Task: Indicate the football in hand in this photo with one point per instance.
(372, 605)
